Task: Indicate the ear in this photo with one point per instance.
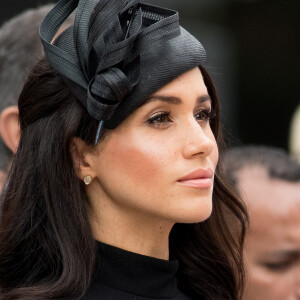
(83, 158)
(10, 128)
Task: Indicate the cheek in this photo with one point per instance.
(270, 285)
(137, 160)
(265, 284)
(214, 156)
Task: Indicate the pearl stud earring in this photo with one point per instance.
(87, 180)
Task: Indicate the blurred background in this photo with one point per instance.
(252, 48)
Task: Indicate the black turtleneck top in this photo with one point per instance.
(124, 275)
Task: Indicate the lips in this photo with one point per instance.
(201, 178)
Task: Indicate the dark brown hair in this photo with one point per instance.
(46, 245)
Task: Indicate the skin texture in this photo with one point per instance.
(272, 248)
(135, 197)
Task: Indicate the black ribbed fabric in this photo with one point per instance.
(123, 275)
(117, 53)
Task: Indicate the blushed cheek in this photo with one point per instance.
(138, 161)
(215, 156)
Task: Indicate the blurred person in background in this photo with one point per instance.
(20, 49)
(268, 180)
(295, 135)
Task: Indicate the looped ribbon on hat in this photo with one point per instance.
(99, 57)
(110, 85)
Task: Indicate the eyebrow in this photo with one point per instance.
(176, 100)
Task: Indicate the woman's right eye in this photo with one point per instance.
(160, 119)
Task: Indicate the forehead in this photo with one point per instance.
(272, 195)
(273, 205)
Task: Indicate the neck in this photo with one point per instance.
(130, 230)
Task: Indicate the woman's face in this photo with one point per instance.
(160, 161)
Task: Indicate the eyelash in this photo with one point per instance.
(166, 116)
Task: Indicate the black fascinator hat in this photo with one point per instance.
(117, 53)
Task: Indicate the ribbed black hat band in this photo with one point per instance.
(105, 63)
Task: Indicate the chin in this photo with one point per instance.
(195, 214)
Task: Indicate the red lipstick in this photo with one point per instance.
(200, 178)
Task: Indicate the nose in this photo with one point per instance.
(198, 140)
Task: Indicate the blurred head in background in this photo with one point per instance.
(268, 181)
(19, 52)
